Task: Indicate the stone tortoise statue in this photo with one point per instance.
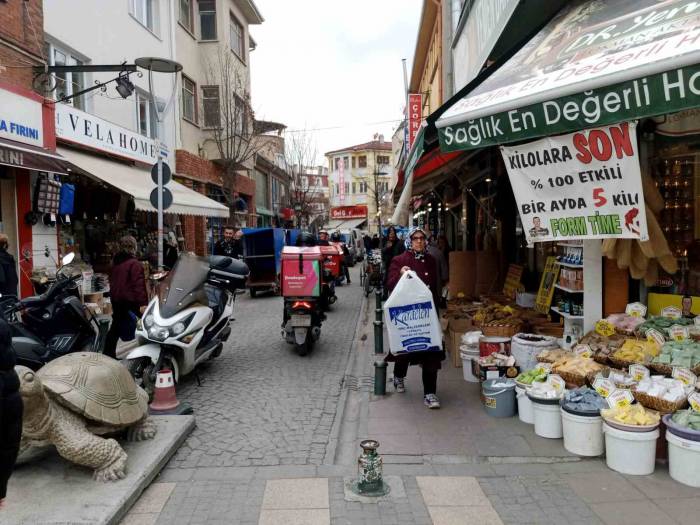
(72, 400)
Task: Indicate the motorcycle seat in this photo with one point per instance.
(38, 300)
(216, 299)
(228, 265)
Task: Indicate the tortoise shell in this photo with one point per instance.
(95, 386)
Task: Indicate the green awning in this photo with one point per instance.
(261, 210)
(596, 63)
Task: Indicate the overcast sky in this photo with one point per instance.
(333, 64)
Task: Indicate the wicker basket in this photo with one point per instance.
(571, 378)
(498, 329)
(655, 403)
(667, 370)
(624, 364)
(603, 359)
(551, 329)
(592, 375)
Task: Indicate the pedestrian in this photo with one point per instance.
(10, 409)
(417, 259)
(346, 254)
(231, 245)
(367, 240)
(8, 269)
(323, 238)
(392, 248)
(127, 293)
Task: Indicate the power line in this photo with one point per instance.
(393, 121)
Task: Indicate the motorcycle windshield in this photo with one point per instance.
(184, 285)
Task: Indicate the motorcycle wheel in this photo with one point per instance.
(253, 293)
(304, 348)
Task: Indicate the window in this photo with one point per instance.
(186, 17)
(210, 105)
(337, 163)
(207, 19)
(347, 187)
(189, 100)
(363, 187)
(146, 12)
(362, 161)
(353, 162)
(241, 116)
(346, 162)
(382, 159)
(261, 193)
(146, 116)
(67, 84)
(236, 37)
(354, 188)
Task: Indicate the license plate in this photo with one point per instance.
(301, 320)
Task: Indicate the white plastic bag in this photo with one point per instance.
(410, 317)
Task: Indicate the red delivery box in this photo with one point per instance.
(301, 271)
(332, 257)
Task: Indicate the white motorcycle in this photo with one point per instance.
(189, 319)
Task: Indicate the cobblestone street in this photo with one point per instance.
(259, 403)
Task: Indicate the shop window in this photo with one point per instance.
(207, 19)
(189, 100)
(146, 12)
(362, 161)
(185, 17)
(67, 84)
(210, 105)
(146, 115)
(236, 37)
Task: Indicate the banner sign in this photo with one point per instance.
(415, 107)
(349, 212)
(594, 64)
(341, 179)
(584, 185)
(21, 119)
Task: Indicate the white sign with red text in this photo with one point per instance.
(583, 185)
(415, 108)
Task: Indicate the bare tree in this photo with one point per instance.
(304, 188)
(228, 113)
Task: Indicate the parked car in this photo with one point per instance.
(356, 247)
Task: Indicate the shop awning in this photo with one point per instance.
(346, 224)
(137, 183)
(596, 63)
(260, 210)
(20, 155)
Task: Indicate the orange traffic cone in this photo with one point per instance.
(164, 398)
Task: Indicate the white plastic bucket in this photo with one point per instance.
(547, 420)
(631, 453)
(683, 460)
(583, 435)
(525, 347)
(524, 406)
(467, 367)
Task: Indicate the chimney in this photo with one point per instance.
(381, 139)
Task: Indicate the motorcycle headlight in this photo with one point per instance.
(148, 320)
(178, 328)
(160, 333)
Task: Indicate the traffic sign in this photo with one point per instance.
(167, 198)
(167, 174)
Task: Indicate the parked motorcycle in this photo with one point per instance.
(302, 279)
(54, 323)
(189, 319)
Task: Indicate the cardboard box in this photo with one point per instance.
(462, 324)
(453, 340)
(462, 274)
(493, 371)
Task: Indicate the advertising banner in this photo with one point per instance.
(584, 185)
(594, 64)
(415, 106)
(349, 212)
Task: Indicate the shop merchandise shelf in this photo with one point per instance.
(569, 265)
(570, 244)
(565, 315)
(570, 290)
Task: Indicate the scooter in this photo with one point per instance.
(54, 323)
(189, 320)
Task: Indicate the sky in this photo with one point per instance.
(333, 64)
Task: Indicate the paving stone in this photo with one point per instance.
(483, 515)
(451, 491)
(295, 517)
(307, 493)
(600, 487)
(683, 510)
(631, 513)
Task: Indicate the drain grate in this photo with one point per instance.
(361, 383)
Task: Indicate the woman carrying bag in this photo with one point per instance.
(418, 260)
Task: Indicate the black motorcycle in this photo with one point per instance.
(52, 324)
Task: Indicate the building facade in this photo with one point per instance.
(361, 175)
(271, 179)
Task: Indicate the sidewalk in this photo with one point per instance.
(450, 466)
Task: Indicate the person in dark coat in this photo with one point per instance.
(417, 259)
(10, 409)
(231, 245)
(8, 269)
(127, 292)
(392, 248)
(336, 237)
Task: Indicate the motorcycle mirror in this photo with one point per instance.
(68, 258)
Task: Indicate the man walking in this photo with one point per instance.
(230, 245)
(8, 270)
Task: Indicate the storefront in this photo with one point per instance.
(592, 127)
(348, 217)
(27, 151)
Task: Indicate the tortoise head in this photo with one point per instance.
(30, 386)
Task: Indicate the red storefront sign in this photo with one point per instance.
(415, 104)
(349, 212)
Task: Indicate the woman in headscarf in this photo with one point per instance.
(417, 259)
(10, 409)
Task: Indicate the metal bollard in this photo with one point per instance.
(378, 304)
(378, 337)
(380, 377)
